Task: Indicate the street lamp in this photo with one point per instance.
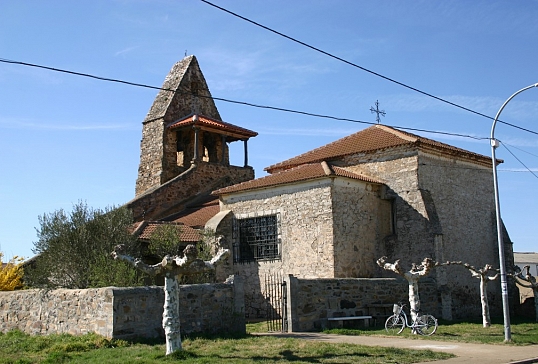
(504, 285)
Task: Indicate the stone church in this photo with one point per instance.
(328, 213)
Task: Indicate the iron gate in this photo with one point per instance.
(275, 294)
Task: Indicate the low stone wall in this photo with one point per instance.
(123, 312)
(312, 301)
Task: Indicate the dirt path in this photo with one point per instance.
(465, 353)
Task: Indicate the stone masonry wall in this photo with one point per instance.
(312, 301)
(151, 152)
(465, 207)
(329, 229)
(361, 219)
(306, 224)
(123, 312)
(306, 234)
(444, 210)
(171, 196)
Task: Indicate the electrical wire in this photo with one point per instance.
(363, 68)
(521, 150)
(230, 101)
(523, 164)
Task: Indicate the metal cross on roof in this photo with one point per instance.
(377, 111)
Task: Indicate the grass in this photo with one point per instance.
(17, 347)
(524, 332)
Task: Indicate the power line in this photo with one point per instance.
(228, 100)
(521, 150)
(523, 164)
(363, 68)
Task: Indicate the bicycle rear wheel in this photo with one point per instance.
(395, 324)
(427, 325)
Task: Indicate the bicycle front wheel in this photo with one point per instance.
(427, 325)
(395, 324)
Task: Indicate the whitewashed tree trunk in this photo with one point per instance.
(486, 320)
(171, 323)
(412, 276)
(173, 268)
(414, 298)
(481, 274)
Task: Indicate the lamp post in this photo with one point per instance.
(504, 285)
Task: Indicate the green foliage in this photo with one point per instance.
(165, 240)
(74, 249)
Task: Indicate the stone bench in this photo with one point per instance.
(347, 318)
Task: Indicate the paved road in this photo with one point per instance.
(465, 353)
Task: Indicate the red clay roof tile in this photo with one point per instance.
(197, 216)
(186, 233)
(208, 122)
(297, 174)
(372, 139)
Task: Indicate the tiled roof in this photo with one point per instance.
(186, 233)
(297, 174)
(188, 221)
(197, 216)
(234, 131)
(372, 139)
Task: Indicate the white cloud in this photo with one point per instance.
(125, 51)
(10, 123)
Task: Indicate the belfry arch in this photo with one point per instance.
(199, 138)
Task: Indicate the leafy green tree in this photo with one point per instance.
(74, 249)
(166, 240)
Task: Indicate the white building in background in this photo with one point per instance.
(521, 260)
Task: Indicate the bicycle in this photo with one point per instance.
(422, 324)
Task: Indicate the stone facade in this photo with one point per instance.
(443, 207)
(430, 205)
(312, 301)
(123, 312)
(328, 230)
(200, 179)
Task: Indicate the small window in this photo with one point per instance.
(257, 238)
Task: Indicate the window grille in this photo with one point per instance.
(257, 238)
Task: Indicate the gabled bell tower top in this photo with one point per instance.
(169, 143)
(184, 90)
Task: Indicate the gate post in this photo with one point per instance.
(291, 286)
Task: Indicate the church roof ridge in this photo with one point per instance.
(371, 139)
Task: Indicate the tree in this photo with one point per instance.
(483, 275)
(412, 276)
(73, 249)
(173, 268)
(10, 273)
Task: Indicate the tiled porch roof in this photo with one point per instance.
(233, 131)
(186, 233)
(197, 216)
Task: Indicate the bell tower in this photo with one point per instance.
(184, 148)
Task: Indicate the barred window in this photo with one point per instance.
(257, 238)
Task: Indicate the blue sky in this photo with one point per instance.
(65, 138)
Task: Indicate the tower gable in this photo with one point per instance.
(184, 92)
